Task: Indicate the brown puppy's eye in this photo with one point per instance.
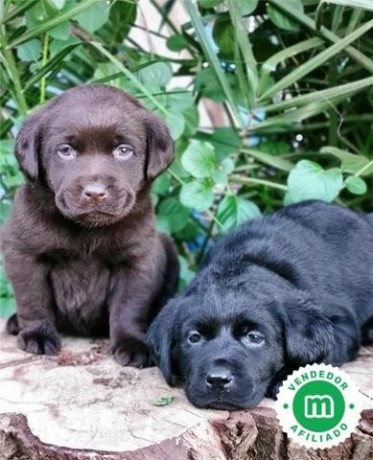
(66, 152)
(194, 337)
(123, 152)
(256, 338)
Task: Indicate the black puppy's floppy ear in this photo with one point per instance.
(160, 147)
(309, 334)
(161, 338)
(28, 145)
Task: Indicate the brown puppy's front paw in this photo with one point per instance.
(131, 354)
(40, 339)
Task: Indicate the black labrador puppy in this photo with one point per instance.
(293, 288)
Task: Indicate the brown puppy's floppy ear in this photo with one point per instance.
(309, 335)
(28, 145)
(161, 340)
(160, 147)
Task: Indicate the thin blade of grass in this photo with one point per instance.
(270, 64)
(54, 22)
(325, 33)
(213, 60)
(317, 61)
(324, 95)
(363, 4)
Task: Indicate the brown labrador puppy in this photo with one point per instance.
(80, 247)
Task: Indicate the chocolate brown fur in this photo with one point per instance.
(80, 247)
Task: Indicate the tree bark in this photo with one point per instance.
(81, 405)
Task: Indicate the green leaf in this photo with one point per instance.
(283, 21)
(222, 171)
(199, 159)
(364, 4)
(176, 124)
(207, 84)
(247, 6)
(226, 141)
(156, 74)
(197, 195)
(94, 17)
(172, 211)
(350, 163)
(223, 33)
(356, 185)
(317, 60)
(161, 184)
(234, 211)
(177, 43)
(164, 401)
(29, 51)
(209, 3)
(309, 181)
(61, 32)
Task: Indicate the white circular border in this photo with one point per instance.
(287, 418)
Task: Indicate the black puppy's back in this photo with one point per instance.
(339, 267)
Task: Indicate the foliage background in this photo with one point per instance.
(292, 81)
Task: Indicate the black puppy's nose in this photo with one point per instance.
(219, 378)
(95, 191)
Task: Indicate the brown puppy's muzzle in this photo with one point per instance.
(95, 200)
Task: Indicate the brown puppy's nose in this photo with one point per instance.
(219, 378)
(95, 191)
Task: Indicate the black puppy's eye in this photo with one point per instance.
(255, 338)
(194, 337)
(123, 152)
(66, 152)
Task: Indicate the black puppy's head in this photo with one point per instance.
(228, 339)
(95, 148)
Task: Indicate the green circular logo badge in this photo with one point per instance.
(318, 406)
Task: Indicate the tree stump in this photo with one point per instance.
(81, 405)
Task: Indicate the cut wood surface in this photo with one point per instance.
(81, 405)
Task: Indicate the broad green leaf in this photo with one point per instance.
(58, 4)
(247, 6)
(61, 32)
(161, 184)
(309, 181)
(223, 33)
(197, 195)
(209, 3)
(234, 211)
(94, 17)
(174, 213)
(283, 21)
(191, 118)
(207, 84)
(350, 163)
(226, 141)
(177, 43)
(222, 171)
(29, 51)
(176, 124)
(199, 159)
(156, 74)
(356, 185)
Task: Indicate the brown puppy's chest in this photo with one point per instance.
(81, 289)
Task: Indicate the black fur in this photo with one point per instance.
(302, 278)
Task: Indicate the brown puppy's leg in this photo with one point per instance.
(37, 333)
(135, 293)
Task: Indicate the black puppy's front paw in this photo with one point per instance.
(134, 354)
(40, 338)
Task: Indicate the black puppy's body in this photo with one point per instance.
(293, 288)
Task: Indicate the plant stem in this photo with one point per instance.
(43, 81)
(253, 180)
(11, 68)
(363, 169)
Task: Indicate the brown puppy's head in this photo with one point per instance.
(96, 148)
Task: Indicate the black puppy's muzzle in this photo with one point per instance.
(219, 378)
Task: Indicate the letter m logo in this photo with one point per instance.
(319, 406)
